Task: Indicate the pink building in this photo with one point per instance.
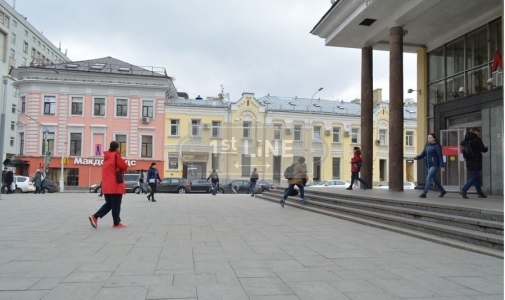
(81, 107)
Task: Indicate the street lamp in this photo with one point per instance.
(311, 137)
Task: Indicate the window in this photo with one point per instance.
(75, 144)
(49, 142)
(76, 109)
(14, 23)
(121, 107)
(317, 133)
(174, 127)
(49, 105)
(25, 47)
(13, 125)
(121, 139)
(23, 104)
(355, 135)
(12, 53)
(33, 52)
(246, 165)
(336, 134)
(14, 92)
(195, 127)
(13, 38)
(21, 143)
(148, 108)
(246, 134)
(11, 141)
(14, 110)
(216, 128)
(277, 131)
(147, 146)
(99, 107)
(215, 161)
(335, 166)
(297, 132)
(409, 138)
(382, 137)
(26, 32)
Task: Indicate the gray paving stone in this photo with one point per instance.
(74, 291)
(402, 288)
(275, 297)
(47, 283)
(265, 286)
(175, 264)
(255, 273)
(134, 268)
(123, 293)
(221, 292)
(371, 296)
(308, 276)
(170, 292)
(16, 283)
(355, 286)
(199, 279)
(47, 269)
(88, 277)
(479, 284)
(23, 295)
(316, 290)
(142, 281)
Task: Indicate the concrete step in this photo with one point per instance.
(394, 218)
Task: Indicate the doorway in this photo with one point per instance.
(383, 170)
(316, 166)
(277, 169)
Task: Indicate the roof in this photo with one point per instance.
(106, 65)
(198, 103)
(325, 15)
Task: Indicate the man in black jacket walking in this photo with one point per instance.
(474, 164)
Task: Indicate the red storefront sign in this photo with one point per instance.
(450, 150)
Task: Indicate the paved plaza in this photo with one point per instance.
(234, 247)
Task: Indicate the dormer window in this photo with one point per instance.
(98, 66)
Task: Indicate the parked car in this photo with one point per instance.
(264, 186)
(237, 187)
(131, 182)
(200, 186)
(179, 185)
(335, 183)
(24, 184)
(407, 185)
(50, 186)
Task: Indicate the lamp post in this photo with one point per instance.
(311, 133)
(44, 132)
(2, 130)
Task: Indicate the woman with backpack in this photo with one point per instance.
(355, 168)
(434, 160)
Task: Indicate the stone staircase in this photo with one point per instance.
(466, 228)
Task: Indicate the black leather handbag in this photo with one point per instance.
(119, 174)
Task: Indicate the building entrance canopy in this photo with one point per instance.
(429, 23)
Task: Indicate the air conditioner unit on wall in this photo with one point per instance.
(206, 126)
(327, 132)
(146, 119)
(288, 130)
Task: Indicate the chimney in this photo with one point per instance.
(377, 96)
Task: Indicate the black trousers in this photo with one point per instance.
(112, 202)
(153, 190)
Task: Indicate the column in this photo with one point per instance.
(367, 113)
(396, 109)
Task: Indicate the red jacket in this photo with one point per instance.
(111, 162)
(355, 159)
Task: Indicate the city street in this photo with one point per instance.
(199, 246)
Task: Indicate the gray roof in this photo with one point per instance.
(105, 65)
(198, 103)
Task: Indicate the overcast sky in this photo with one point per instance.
(258, 46)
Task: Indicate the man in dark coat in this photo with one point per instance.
(4, 175)
(474, 164)
(9, 180)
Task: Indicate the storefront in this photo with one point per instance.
(194, 166)
(80, 171)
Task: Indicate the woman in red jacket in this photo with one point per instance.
(355, 168)
(112, 190)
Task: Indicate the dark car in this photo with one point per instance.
(237, 187)
(131, 182)
(95, 188)
(179, 185)
(50, 186)
(264, 186)
(200, 186)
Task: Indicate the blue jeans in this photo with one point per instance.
(252, 188)
(355, 176)
(432, 179)
(214, 188)
(142, 188)
(290, 188)
(474, 180)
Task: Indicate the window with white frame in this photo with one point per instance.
(277, 131)
(49, 142)
(121, 107)
(297, 132)
(76, 106)
(21, 143)
(11, 141)
(336, 134)
(75, 144)
(246, 133)
(174, 127)
(23, 104)
(99, 107)
(195, 127)
(147, 146)
(355, 135)
(148, 108)
(49, 105)
(12, 54)
(13, 38)
(13, 125)
(25, 47)
(14, 109)
(216, 129)
(121, 139)
(317, 133)
(409, 138)
(383, 137)
(335, 167)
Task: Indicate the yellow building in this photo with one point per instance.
(268, 133)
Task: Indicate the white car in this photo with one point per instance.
(23, 184)
(407, 185)
(335, 183)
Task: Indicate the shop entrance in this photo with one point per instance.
(194, 170)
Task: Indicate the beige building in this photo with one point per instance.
(268, 133)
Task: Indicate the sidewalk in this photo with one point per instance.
(235, 247)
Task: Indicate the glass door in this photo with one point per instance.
(455, 172)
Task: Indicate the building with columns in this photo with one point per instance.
(72, 111)
(459, 46)
(270, 132)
